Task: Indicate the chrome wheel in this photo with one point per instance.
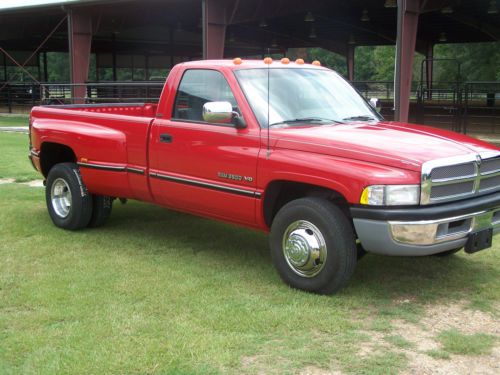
(60, 196)
(304, 248)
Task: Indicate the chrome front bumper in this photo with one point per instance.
(432, 232)
(425, 230)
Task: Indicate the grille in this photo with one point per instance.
(453, 171)
(490, 166)
(442, 191)
(489, 183)
(460, 180)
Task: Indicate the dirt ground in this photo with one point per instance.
(423, 337)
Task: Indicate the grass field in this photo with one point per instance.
(13, 120)
(160, 292)
(14, 162)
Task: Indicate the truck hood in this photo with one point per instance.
(399, 145)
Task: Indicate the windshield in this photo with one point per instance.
(298, 96)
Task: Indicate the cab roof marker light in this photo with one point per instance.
(268, 60)
(316, 63)
(285, 60)
(299, 61)
(237, 61)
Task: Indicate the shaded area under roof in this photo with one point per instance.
(153, 26)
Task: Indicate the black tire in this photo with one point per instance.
(330, 226)
(102, 206)
(68, 201)
(447, 253)
(360, 251)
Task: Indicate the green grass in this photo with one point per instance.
(399, 342)
(13, 120)
(160, 292)
(438, 354)
(14, 162)
(456, 342)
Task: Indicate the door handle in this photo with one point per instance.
(166, 138)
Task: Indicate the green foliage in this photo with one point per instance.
(58, 67)
(328, 59)
(479, 61)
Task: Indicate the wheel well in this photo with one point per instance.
(55, 153)
(279, 193)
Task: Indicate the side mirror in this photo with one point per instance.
(375, 103)
(222, 113)
(219, 112)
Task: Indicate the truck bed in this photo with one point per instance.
(127, 109)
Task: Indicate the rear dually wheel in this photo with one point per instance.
(68, 201)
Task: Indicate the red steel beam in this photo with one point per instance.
(214, 28)
(80, 39)
(429, 68)
(350, 62)
(408, 13)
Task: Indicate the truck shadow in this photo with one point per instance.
(173, 234)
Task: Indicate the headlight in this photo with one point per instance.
(391, 195)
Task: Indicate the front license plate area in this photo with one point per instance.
(479, 241)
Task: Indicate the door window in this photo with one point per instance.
(198, 87)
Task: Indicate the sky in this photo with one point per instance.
(21, 3)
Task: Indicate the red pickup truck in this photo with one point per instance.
(286, 148)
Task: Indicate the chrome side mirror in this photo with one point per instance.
(218, 112)
(375, 103)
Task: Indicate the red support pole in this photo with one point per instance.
(429, 69)
(80, 39)
(350, 62)
(408, 12)
(214, 28)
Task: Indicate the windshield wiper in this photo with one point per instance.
(306, 119)
(359, 118)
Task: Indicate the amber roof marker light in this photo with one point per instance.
(237, 61)
(316, 63)
(299, 61)
(285, 60)
(268, 60)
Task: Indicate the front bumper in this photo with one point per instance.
(425, 230)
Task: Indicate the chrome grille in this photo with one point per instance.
(452, 171)
(452, 190)
(489, 183)
(490, 166)
(460, 177)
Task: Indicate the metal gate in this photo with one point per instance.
(440, 104)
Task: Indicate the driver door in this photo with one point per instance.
(202, 167)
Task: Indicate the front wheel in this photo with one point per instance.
(68, 201)
(313, 245)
